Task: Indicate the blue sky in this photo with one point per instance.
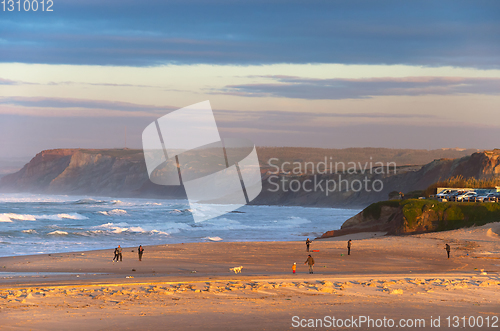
(400, 74)
(145, 33)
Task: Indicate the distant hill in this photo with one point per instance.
(122, 173)
(480, 165)
(401, 157)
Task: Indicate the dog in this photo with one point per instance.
(236, 269)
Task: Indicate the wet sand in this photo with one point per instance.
(190, 287)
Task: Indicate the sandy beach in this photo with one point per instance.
(190, 287)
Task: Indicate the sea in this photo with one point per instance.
(41, 224)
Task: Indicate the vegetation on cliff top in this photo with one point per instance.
(443, 215)
(451, 215)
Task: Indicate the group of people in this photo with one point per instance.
(119, 256)
(310, 259)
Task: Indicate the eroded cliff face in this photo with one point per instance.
(123, 173)
(89, 173)
(39, 172)
(96, 172)
(417, 216)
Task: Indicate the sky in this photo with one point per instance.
(332, 74)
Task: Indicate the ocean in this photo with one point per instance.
(40, 224)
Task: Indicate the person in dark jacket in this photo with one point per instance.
(448, 249)
(349, 247)
(119, 249)
(310, 261)
(116, 255)
(308, 242)
(140, 250)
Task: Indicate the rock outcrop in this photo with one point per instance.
(417, 216)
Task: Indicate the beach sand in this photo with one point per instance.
(190, 287)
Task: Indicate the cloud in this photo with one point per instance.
(4, 81)
(290, 121)
(336, 89)
(67, 103)
(100, 84)
(7, 82)
(134, 33)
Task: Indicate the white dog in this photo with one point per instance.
(236, 269)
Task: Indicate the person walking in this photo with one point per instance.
(119, 249)
(448, 249)
(308, 242)
(294, 267)
(349, 247)
(310, 261)
(116, 255)
(140, 250)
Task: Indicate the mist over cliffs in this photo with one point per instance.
(122, 173)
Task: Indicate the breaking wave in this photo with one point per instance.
(58, 233)
(9, 217)
(114, 212)
(124, 228)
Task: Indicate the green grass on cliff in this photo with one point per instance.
(448, 215)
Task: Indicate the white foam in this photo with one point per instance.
(5, 219)
(213, 238)
(136, 229)
(119, 227)
(158, 232)
(60, 217)
(117, 212)
(8, 217)
(58, 233)
(88, 201)
(110, 225)
(72, 216)
(29, 231)
(114, 212)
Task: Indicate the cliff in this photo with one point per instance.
(418, 216)
(480, 165)
(83, 171)
(122, 173)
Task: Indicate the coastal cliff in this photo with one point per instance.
(122, 173)
(480, 165)
(85, 171)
